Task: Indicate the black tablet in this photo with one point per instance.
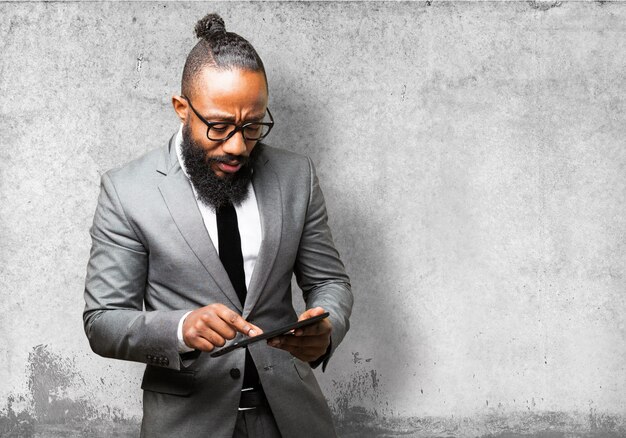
(270, 334)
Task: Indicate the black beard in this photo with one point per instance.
(210, 188)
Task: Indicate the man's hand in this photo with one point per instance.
(210, 327)
(307, 343)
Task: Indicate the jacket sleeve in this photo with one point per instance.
(114, 320)
(319, 271)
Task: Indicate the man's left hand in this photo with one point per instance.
(307, 343)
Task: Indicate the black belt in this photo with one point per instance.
(252, 399)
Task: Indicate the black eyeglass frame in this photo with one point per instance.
(241, 128)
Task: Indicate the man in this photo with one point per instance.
(197, 242)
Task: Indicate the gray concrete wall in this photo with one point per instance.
(472, 156)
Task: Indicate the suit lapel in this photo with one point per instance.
(267, 192)
(181, 202)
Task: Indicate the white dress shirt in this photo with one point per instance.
(248, 221)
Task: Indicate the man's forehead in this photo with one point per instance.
(216, 81)
(218, 90)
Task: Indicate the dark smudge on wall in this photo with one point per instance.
(50, 408)
(50, 378)
(363, 388)
(360, 422)
(16, 423)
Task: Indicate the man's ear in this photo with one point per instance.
(181, 107)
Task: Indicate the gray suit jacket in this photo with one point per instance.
(152, 260)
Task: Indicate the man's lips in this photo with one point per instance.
(229, 168)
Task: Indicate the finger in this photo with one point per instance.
(236, 321)
(202, 344)
(302, 342)
(273, 342)
(307, 354)
(312, 329)
(306, 341)
(321, 328)
(213, 338)
(311, 313)
(303, 354)
(214, 323)
(198, 342)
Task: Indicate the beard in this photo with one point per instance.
(211, 189)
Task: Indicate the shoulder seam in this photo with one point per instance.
(123, 209)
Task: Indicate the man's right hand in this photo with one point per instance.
(210, 327)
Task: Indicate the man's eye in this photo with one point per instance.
(253, 129)
(220, 128)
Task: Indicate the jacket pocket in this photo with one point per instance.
(302, 368)
(168, 381)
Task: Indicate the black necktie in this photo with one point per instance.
(229, 243)
(230, 249)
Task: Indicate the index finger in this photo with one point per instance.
(237, 322)
(311, 313)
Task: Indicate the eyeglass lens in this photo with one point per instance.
(253, 131)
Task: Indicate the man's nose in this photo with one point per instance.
(236, 145)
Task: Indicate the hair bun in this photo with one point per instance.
(208, 25)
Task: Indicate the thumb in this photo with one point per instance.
(311, 313)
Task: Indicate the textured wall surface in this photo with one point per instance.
(474, 164)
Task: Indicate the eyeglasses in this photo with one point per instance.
(222, 131)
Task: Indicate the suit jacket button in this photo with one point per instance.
(235, 373)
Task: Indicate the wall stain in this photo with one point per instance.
(16, 424)
(52, 407)
(544, 5)
(362, 423)
(138, 67)
(357, 359)
(360, 411)
(363, 386)
(50, 377)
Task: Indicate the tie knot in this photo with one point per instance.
(226, 210)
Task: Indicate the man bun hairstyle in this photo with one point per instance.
(211, 23)
(218, 49)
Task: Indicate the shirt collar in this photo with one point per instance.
(178, 141)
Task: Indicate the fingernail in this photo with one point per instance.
(252, 332)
